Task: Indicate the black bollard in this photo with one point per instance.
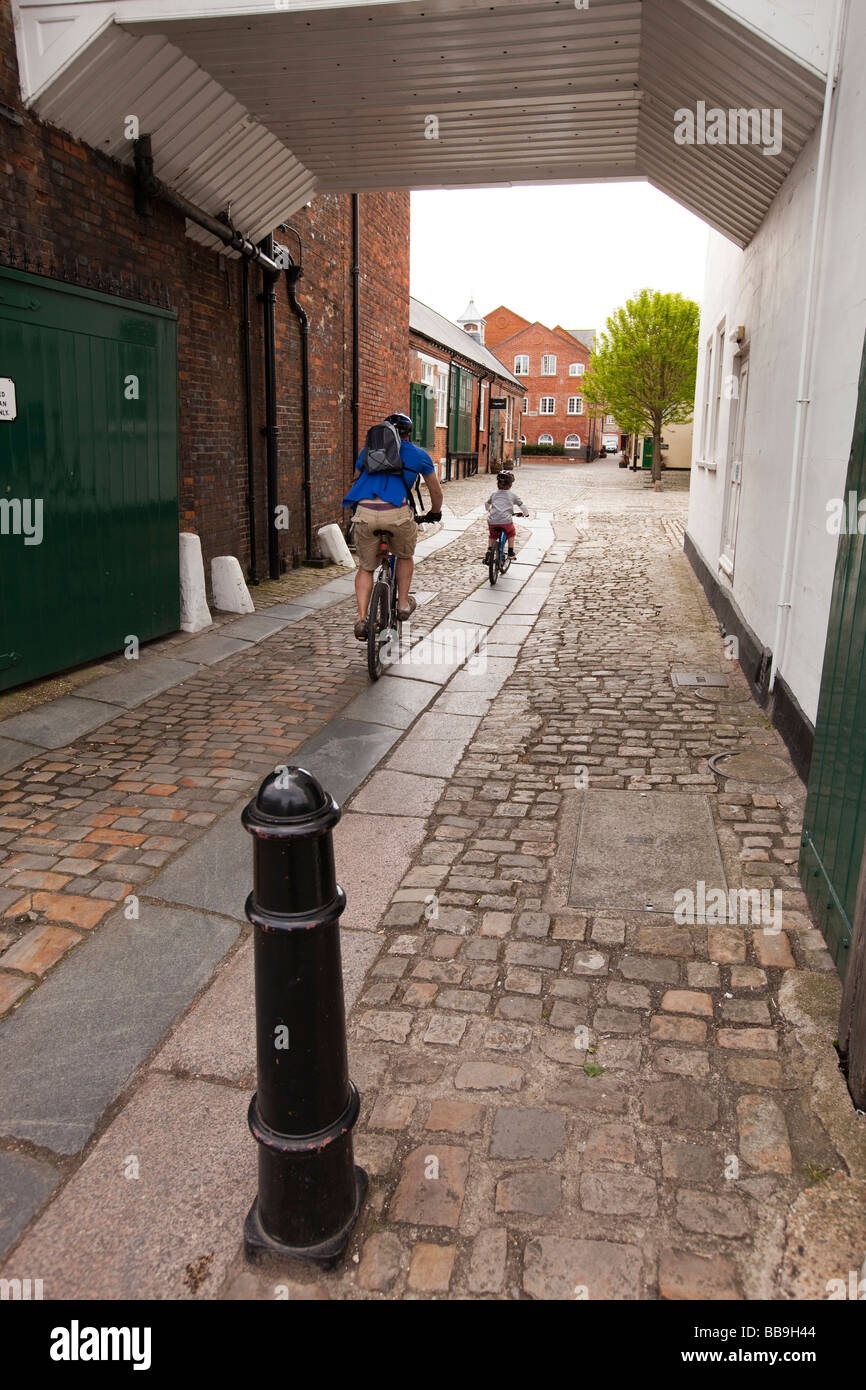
(305, 1107)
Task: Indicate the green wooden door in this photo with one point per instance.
(834, 823)
(423, 412)
(91, 453)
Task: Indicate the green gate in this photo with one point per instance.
(88, 475)
(834, 823)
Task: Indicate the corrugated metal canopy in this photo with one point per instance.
(261, 104)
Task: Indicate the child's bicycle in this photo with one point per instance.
(500, 560)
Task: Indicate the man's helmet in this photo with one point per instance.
(504, 479)
(402, 423)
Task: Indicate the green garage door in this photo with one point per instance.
(834, 822)
(88, 475)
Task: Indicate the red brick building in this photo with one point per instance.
(455, 379)
(551, 364)
(68, 219)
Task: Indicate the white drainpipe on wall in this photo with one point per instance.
(783, 608)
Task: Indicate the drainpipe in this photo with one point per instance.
(147, 186)
(268, 301)
(248, 404)
(783, 607)
(484, 377)
(448, 423)
(356, 321)
(293, 275)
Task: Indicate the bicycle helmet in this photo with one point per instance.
(402, 423)
(505, 480)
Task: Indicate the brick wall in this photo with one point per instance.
(501, 323)
(67, 212)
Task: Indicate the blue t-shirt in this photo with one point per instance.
(386, 487)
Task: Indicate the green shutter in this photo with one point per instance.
(834, 821)
(417, 402)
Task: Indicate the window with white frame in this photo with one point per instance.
(523, 439)
(525, 405)
(521, 364)
(707, 411)
(548, 364)
(575, 405)
(545, 439)
(548, 405)
(572, 441)
(482, 426)
(718, 363)
(441, 396)
(576, 368)
(609, 420)
(509, 418)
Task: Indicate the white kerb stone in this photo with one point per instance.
(230, 593)
(333, 544)
(194, 612)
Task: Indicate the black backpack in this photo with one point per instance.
(382, 455)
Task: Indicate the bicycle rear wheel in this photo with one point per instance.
(378, 629)
(493, 562)
(504, 561)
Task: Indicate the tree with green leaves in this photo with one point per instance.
(644, 366)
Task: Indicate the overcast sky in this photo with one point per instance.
(569, 254)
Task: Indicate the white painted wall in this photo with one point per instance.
(763, 288)
(801, 27)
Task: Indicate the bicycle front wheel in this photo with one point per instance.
(378, 629)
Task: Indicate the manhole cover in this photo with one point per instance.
(698, 678)
(721, 695)
(636, 850)
(751, 767)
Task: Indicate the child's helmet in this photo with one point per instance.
(504, 479)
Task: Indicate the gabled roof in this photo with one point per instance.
(428, 324)
(562, 334)
(585, 336)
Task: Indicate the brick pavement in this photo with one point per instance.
(569, 1104)
(82, 827)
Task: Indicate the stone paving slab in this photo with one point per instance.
(25, 1183)
(12, 754)
(369, 879)
(100, 1238)
(393, 701)
(99, 1018)
(345, 752)
(139, 681)
(56, 724)
(211, 647)
(253, 627)
(399, 794)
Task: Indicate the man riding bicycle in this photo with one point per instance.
(383, 503)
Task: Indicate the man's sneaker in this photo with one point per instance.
(361, 629)
(404, 613)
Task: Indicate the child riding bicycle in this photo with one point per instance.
(500, 507)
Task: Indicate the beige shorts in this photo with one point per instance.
(398, 520)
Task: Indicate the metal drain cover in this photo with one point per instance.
(722, 695)
(751, 767)
(698, 678)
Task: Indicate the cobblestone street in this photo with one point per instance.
(567, 1091)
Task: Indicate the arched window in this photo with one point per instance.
(545, 439)
(572, 441)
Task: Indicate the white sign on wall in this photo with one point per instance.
(8, 409)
